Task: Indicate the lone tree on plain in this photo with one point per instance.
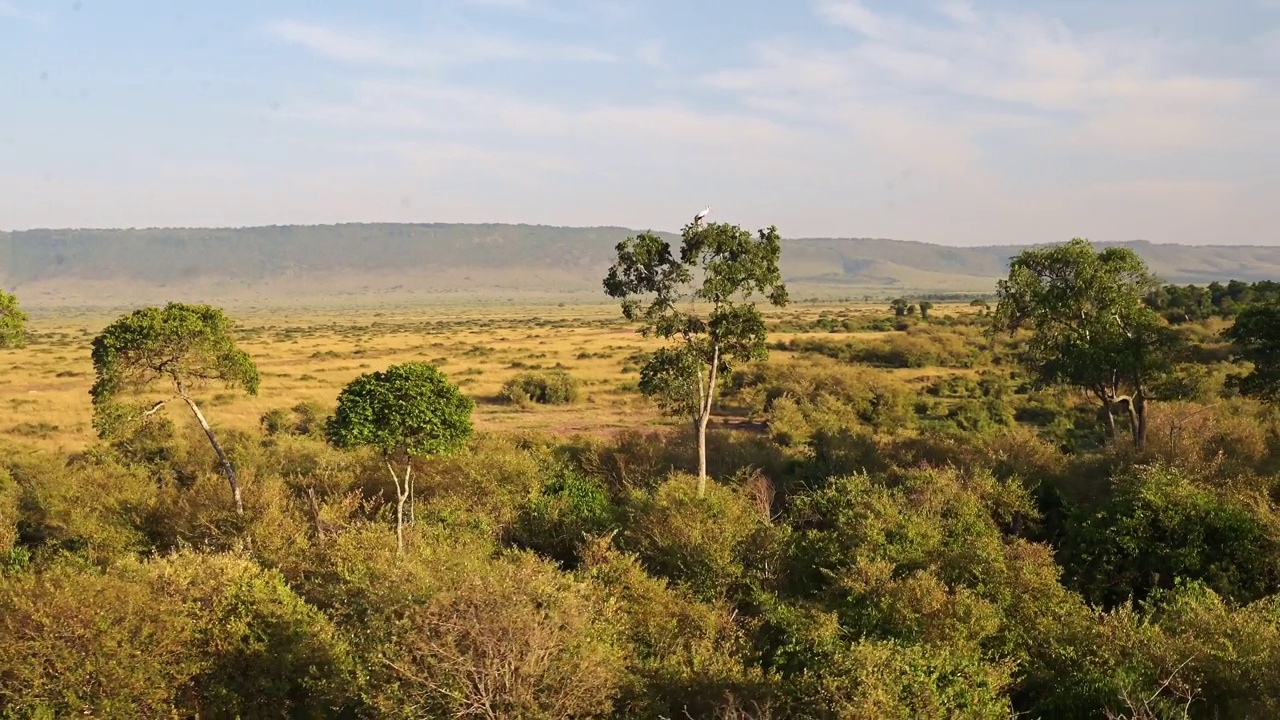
(13, 322)
(899, 307)
(186, 345)
(1256, 335)
(712, 317)
(925, 307)
(1089, 326)
(406, 411)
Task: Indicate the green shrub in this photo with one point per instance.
(552, 387)
(570, 509)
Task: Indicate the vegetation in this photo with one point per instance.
(715, 320)
(1088, 325)
(405, 411)
(183, 345)
(1256, 333)
(12, 321)
(555, 387)
(903, 517)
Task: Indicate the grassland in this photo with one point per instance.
(308, 356)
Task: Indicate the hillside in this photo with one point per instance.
(381, 261)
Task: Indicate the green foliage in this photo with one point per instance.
(714, 318)
(1256, 335)
(185, 344)
(13, 321)
(1088, 324)
(570, 509)
(553, 387)
(699, 543)
(1159, 526)
(406, 410)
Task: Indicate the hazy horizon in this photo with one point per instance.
(942, 122)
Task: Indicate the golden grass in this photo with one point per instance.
(309, 356)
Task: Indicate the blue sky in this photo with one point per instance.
(941, 121)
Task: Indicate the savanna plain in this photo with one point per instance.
(951, 509)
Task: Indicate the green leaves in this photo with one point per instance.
(12, 321)
(706, 298)
(410, 409)
(187, 344)
(1256, 334)
(1089, 325)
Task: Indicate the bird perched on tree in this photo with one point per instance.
(697, 219)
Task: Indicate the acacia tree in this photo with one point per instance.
(1256, 335)
(186, 345)
(1089, 326)
(13, 321)
(406, 411)
(712, 316)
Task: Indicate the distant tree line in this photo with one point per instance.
(1190, 303)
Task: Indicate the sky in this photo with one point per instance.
(963, 123)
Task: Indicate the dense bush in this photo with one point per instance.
(551, 387)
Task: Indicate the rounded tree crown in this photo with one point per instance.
(409, 409)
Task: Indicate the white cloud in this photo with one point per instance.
(437, 49)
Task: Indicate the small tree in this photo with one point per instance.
(405, 411)
(925, 307)
(899, 307)
(186, 345)
(1089, 325)
(13, 321)
(1256, 335)
(714, 317)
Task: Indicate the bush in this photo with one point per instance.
(553, 387)
(698, 543)
(570, 510)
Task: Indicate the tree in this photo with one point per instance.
(1089, 326)
(899, 307)
(12, 321)
(187, 345)
(925, 307)
(1256, 335)
(406, 411)
(713, 318)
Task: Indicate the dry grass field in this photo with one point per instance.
(309, 356)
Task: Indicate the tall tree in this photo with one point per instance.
(13, 322)
(704, 300)
(406, 411)
(1256, 335)
(185, 345)
(1089, 326)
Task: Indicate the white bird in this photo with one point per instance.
(697, 219)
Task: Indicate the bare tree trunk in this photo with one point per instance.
(315, 512)
(704, 418)
(222, 456)
(1138, 406)
(401, 494)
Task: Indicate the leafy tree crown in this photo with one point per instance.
(188, 344)
(12, 321)
(1256, 335)
(410, 409)
(706, 295)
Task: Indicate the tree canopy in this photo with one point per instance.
(711, 313)
(405, 411)
(1089, 326)
(1256, 335)
(187, 345)
(13, 321)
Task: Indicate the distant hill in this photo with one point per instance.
(356, 262)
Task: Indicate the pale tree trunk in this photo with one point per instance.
(227, 470)
(704, 417)
(402, 494)
(1138, 412)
